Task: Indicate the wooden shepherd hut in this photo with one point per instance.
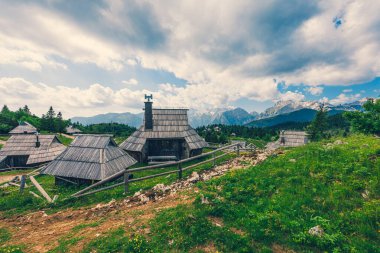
(164, 135)
(28, 150)
(293, 138)
(23, 128)
(89, 158)
(72, 130)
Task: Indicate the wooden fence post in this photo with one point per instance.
(22, 183)
(179, 170)
(238, 149)
(214, 160)
(126, 184)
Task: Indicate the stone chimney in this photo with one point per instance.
(148, 115)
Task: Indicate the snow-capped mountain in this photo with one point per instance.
(237, 116)
(227, 116)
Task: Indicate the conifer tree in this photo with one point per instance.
(318, 126)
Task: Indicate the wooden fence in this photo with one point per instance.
(226, 150)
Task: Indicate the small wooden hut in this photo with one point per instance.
(23, 128)
(89, 158)
(293, 138)
(27, 150)
(164, 135)
(72, 130)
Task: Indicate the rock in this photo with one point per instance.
(194, 177)
(338, 142)
(316, 231)
(161, 188)
(292, 160)
(365, 194)
(204, 200)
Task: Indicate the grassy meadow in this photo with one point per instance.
(272, 206)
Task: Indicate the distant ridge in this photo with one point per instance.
(281, 112)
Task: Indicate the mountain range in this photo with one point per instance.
(280, 112)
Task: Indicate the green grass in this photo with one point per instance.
(12, 203)
(256, 142)
(65, 141)
(1, 146)
(4, 138)
(85, 225)
(116, 241)
(5, 235)
(119, 139)
(278, 201)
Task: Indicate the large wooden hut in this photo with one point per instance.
(23, 128)
(89, 158)
(27, 150)
(293, 138)
(164, 135)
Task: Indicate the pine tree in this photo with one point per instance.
(318, 126)
(5, 110)
(26, 110)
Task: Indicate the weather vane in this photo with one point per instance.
(148, 97)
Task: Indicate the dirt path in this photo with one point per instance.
(41, 232)
(7, 178)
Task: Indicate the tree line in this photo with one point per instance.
(367, 121)
(48, 122)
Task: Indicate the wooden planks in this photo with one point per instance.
(40, 189)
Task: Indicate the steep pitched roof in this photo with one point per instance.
(72, 130)
(24, 128)
(25, 145)
(167, 124)
(93, 157)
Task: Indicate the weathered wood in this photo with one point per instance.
(214, 160)
(180, 170)
(34, 194)
(40, 189)
(126, 185)
(22, 184)
(67, 180)
(14, 184)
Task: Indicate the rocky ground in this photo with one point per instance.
(42, 232)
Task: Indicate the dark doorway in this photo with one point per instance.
(165, 148)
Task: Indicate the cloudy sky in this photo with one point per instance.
(91, 57)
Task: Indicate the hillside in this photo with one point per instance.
(331, 186)
(127, 118)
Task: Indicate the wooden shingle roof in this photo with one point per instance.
(93, 157)
(294, 138)
(24, 128)
(25, 145)
(72, 130)
(167, 124)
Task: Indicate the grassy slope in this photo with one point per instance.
(280, 200)
(276, 203)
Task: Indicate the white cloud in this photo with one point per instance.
(294, 96)
(37, 36)
(347, 90)
(131, 81)
(316, 91)
(223, 57)
(343, 98)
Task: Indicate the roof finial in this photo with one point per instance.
(148, 97)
